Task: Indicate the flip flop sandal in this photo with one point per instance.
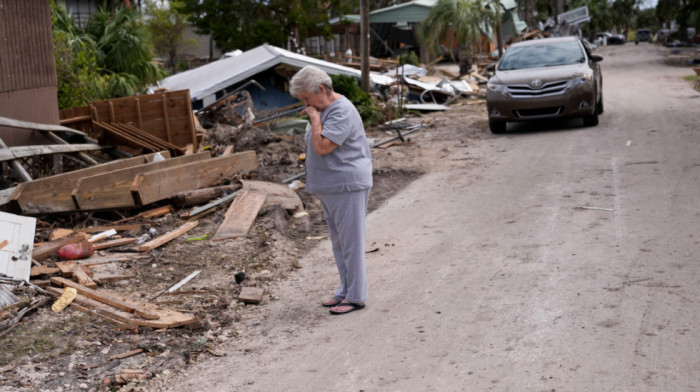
(352, 307)
(327, 303)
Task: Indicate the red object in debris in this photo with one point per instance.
(79, 250)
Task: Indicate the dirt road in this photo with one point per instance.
(554, 257)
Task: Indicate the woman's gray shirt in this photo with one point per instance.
(349, 166)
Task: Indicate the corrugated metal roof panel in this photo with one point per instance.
(411, 12)
(208, 79)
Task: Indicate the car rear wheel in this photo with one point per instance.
(497, 126)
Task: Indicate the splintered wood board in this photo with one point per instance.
(276, 194)
(17, 235)
(169, 236)
(251, 295)
(107, 297)
(53, 194)
(162, 184)
(113, 189)
(166, 318)
(240, 215)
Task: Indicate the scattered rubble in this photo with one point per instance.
(171, 251)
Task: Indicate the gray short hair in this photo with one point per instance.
(308, 80)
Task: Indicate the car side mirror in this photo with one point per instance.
(596, 58)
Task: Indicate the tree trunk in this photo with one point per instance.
(465, 60)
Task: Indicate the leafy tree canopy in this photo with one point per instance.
(245, 24)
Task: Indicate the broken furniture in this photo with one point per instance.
(142, 123)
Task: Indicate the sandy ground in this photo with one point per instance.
(552, 258)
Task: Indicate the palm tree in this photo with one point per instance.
(124, 49)
(458, 21)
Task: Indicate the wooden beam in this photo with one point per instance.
(138, 112)
(162, 184)
(10, 153)
(98, 229)
(113, 189)
(106, 298)
(17, 165)
(6, 195)
(167, 237)
(13, 123)
(81, 276)
(276, 194)
(143, 135)
(203, 196)
(240, 215)
(148, 214)
(53, 194)
(87, 158)
(113, 243)
(166, 119)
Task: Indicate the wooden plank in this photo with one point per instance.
(12, 123)
(110, 258)
(107, 298)
(98, 229)
(143, 135)
(162, 184)
(53, 194)
(6, 195)
(149, 214)
(113, 190)
(10, 153)
(17, 165)
(166, 318)
(138, 112)
(66, 267)
(165, 119)
(276, 194)
(111, 278)
(60, 233)
(43, 270)
(50, 248)
(167, 237)
(240, 215)
(87, 305)
(113, 243)
(251, 295)
(113, 135)
(81, 276)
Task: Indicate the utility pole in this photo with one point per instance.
(364, 43)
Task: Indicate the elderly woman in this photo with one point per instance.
(339, 173)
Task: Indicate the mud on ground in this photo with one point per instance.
(72, 351)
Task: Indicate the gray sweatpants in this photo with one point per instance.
(345, 215)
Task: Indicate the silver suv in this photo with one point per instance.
(642, 36)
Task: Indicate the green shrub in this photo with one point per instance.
(409, 58)
(348, 86)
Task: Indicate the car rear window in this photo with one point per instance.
(542, 55)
